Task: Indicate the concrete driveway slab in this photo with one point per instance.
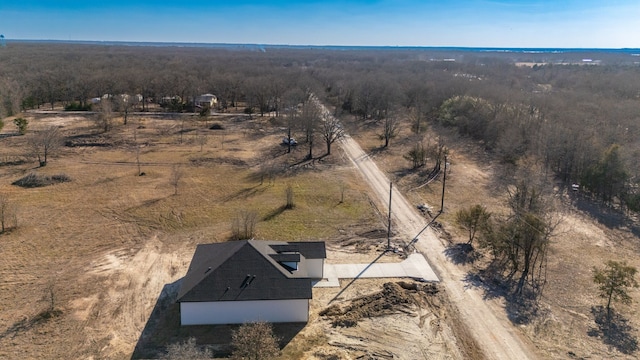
(415, 266)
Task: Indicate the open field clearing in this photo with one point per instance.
(91, 258)
(94, 262)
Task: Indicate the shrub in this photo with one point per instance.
(254, 341)
(77, 107)
(21, 123)
(417, 156)
(243, 226)
(187, 350)
(33, 180)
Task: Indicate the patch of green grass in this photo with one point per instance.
(214, 196)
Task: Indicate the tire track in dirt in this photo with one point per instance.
(133, 284)
(492, 332)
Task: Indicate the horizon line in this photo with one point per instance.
(193, 43)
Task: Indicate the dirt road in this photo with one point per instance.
(491, 330)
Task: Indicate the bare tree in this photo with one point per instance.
(267, 171)
(292, 113)
(104, 119)
(289, 195)
(260, 91)
(187, 350)
(331, 131)
(175, 178)
(8, 216)
(125, 103)
(243, 226)
(310, 117)
(390, 128)
(138, 159)
(45, 143)
(438, 152)
(202, 139)
(343, 188)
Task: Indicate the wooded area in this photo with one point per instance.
(579, 120)
(525, 139)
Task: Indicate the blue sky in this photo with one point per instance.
(472, 23)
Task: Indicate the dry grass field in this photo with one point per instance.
(101, 247)
(89, 271)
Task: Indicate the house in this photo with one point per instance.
(244, 281)
(206, 100)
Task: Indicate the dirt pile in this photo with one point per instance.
(398, 297)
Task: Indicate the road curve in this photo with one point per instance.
(493, 332)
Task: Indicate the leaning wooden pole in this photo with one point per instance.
(389, 219)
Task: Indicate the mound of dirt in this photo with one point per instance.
(394, 298)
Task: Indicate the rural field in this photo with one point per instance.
(92, 258)
(142, 165)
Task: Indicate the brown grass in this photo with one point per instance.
(109, 239)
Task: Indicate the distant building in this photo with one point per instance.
(206, 100)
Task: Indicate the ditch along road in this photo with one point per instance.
(493, 333)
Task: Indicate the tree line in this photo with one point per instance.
(580, 121)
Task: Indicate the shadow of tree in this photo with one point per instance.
(275, 213)
(28, 324)
(614, 331)
(461, 253)
(245, 193)
(520, 309)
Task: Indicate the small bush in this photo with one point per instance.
(33, 180)
(254, 341)
(244, 225)
(77, 107)
(187, 350)
(22, 124)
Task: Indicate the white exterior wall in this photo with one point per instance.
(315, 267)
(239, 312)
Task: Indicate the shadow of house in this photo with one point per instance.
(163, 328)
(163, 325)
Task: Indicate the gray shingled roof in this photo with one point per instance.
(249, 270)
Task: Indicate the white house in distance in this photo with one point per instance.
(244, 281)
(206, 100)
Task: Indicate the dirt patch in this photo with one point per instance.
(395, 297)
(402, 320)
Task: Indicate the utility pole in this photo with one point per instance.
(389, 219)
(444, 181)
